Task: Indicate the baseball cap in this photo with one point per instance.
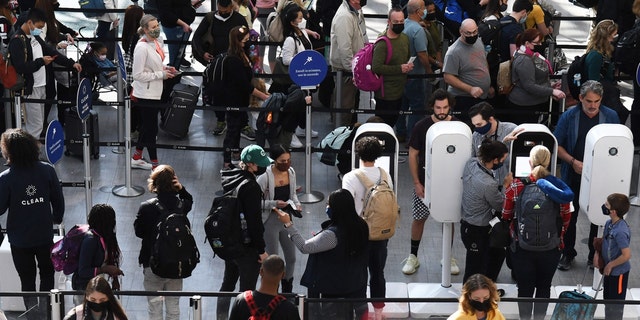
(255, 154)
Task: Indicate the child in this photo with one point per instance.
(98, 55)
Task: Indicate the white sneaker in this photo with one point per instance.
(410, 264)
(295, 142)
(455, 270)
(141, 164)
(303, 133)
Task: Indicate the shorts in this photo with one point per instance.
(419, 209)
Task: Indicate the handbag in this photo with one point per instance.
(281, 69)
(499, 236)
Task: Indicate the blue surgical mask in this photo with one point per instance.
(484, 129)
(524, 19)
(328, 212)
(424, 14)
(36, 32)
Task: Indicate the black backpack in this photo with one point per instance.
(175, 253)
(489, 32)
(538, 220)
(627, 52)
(577, 66)
(268, 124)
(223, 227)
(212, 81)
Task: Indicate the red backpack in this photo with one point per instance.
(363, 76)
(260, 313)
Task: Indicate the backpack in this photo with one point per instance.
(274, 27)
(92, 4)
(212, 79)
(363, 76)
(66, 251)
(223, 227)
(576, 67)
(538, 221)
(380, 208)
(504, 80)
(9, 77)
(627, 52)
(261, 313)
(454, 12)
(268, 123)
(332, 143)
(489, 32)
(175, 253)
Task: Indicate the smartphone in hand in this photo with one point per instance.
(411, 59)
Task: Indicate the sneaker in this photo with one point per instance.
(185, 63)
(221, 127)
(565, 263)
(140, 164)
(411, 263)
(455, 270)
(295, 142)
(248, 133)
(303, 133)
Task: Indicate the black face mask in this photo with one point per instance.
(397, 28)
(224, 15)
(260, 171)
(430, 16)
(471, 40)
(97, 307)
(484, 306)
(503, 7)
(363, 3)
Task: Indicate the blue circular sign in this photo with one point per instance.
(83, 100)
(54, 142)
(307, 69)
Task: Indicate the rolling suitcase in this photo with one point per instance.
(73, 130)
(573, 311)
(177, 117)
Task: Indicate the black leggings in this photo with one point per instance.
(149, 114)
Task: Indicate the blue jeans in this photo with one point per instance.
(413, 99)
(176, 50)
(377, 261)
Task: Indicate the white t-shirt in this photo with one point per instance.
(40, 76)
(351, 182)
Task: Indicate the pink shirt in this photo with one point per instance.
(266, 4)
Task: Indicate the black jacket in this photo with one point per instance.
(149, 215)
(172, 10)
(26, 66)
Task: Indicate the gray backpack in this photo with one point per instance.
(538, 219)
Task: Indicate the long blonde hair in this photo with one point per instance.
(599, 38)
(540, 158)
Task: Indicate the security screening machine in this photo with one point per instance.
(606, 169)
(533, 134)
(448, 148)
(389, 159)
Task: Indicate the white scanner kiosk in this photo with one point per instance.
(389, 158)
(533, 134)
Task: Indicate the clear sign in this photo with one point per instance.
(121, 66)
(54, 142)
(307, 69)
(83, 100)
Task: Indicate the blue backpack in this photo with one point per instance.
(454, 12)
(91, 4)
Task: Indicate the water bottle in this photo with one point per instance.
(487, 48)
(245, 233)
(576, 79)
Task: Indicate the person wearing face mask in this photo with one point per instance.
(599, 65)
(571, 132)
(338, 255)
(99, 303)
(434, 41)
(530, 73)
(246, 265)
(27, 41)
(278, 186)
(486, 126)
(95, 61)
(482, 200)
(440, 103)
(535, 20)
(466, 70)
(239, 87)
(148, 75)
(512, 27)
(488, 30)
(535, 259)
(616, 253)
(99, 252)
(479, 300)
(394, 69)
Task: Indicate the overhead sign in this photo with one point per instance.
(54, 142)
(83, 100)
(307, 69)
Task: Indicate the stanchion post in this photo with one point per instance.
(447, 233)
(56, 299)
(7, 110)
(301, 301)
(86, 157)
(195, 303)
(17, 101)
(127, 190)
(120, 88)
(309, 196)
(338, 90)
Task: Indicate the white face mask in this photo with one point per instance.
(102, 57)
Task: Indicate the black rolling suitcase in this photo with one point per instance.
(73, 130)
(177, 117)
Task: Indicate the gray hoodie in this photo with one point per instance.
(481, 196)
